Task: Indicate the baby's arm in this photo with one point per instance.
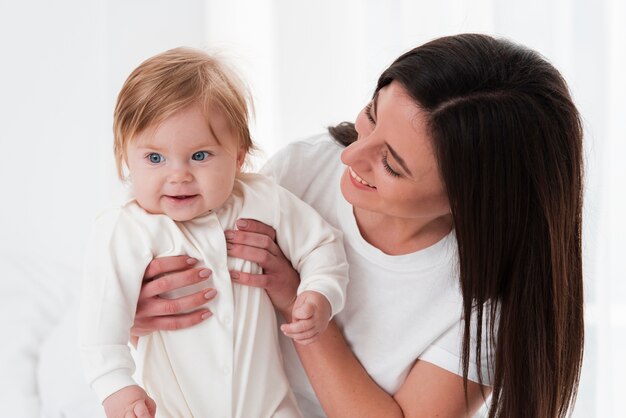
(129, 402)
(310, 316)
(114, 263)
(315, 250)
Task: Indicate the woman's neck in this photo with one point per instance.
(397, 236)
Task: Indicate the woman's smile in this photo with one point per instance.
(358, 181)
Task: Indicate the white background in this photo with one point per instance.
(310, 64)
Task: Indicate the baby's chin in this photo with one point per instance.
(186, 218)
(180, 208)
(175, 215)
(183, 216)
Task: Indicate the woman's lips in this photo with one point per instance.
(358, 181)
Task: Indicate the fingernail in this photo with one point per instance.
(206, 315)
(204, 273)
(229, 235)
(242, 223)
(210, 294)
(234, 276)
(191, 261)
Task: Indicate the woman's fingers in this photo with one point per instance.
(160, 266)
(250, 279)
(146, 326)
(255, 226)
(173, 281)
(251, 239)
(261, 256)
(164, 275)
(159, 307)
(254, 241)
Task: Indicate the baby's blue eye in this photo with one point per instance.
(155, 158)
(200, 156)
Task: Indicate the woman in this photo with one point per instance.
(463, 182)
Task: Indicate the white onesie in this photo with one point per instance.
(230, 365)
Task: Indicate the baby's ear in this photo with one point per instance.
(124, 171)
(241, 157)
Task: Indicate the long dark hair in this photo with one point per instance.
(508, 139)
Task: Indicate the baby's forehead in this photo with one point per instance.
(160, 137)
(192, 126)
(154, 139)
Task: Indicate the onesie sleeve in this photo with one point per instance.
(315, 249)
(115, 262)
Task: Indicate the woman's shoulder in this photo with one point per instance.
(320, 142)
(310, 155)
(304, 166)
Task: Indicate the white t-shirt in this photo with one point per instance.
(230, 365)
(398, 308)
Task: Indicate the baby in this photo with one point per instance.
(181, 135)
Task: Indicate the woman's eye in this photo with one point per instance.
(155, 158)
(388, 168)
(200, 156)
(368, 113)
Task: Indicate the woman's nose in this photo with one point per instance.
(358, 153)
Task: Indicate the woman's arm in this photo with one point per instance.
(341, 384)
(344, 388)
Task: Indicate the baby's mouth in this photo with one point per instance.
(181, 196)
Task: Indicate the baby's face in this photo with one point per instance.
(178, 168)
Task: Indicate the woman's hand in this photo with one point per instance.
(164, 275)
(254, 241)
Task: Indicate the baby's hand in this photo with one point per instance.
(129, 402)
(310, 317)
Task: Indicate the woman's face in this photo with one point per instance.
(392, 169)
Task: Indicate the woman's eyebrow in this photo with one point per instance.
(399, 159)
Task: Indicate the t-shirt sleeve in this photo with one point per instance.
(280, 165)
(447, 352)
(298, 166)
(115, 262)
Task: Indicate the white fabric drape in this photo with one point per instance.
(310, 64)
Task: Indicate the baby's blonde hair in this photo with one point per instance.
(171, 81)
